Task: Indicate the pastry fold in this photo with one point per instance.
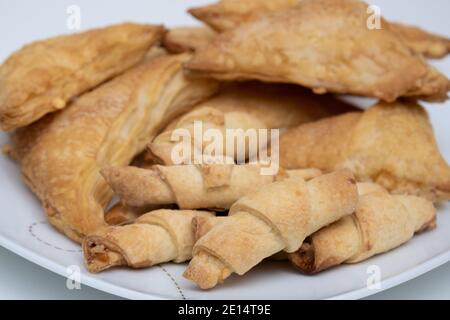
(44, 76)
(390, 144)
(242, 107)
(155, 237)
(277, 217)
(61, 155)
(324, 45)
(228, 14)
(187, 39)
(215, 186)
(382, 222)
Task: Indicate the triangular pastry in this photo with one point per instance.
(324, 45)
(62, 154)
(390, 144)
(228, 14)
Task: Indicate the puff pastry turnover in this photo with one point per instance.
(44, 76)
(62, 154)
(390, 144)
(324, 45)
(228, 14)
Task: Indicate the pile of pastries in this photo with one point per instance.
(91, 117)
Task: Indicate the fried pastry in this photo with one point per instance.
(277, 217)
(381, 223)
(182, 39)
(245, 106)
(390, 144)
(44, 76)
(324, 45)
(215, 186)
(62, 154)
(228, 14)
(155, 237)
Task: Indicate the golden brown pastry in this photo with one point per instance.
(423, 42)
(381, 223)
(189, 39)
(228, 14)
(324, 45)
(155, 237)
(44, 76)
(390, 144)
(277, 217)
(215, 186)
(244, 106)
(61, 155)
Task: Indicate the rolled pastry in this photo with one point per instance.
(324, 45)
(245, 106)
(190, 186)
(390, 144)
(61, 155)
(44, 76)
(155, 237)
(187, 39)
(228, 14)
(382, 222)
(277, 217)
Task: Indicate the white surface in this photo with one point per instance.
(21, 279)
(22, 231)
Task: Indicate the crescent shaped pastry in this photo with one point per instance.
(228, 14)
(62, 154)
(250, 105)
(390, 144)
(188, 39)
(156, 237)
(60, 68)
(324, 45)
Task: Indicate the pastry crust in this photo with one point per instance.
(215, 186)
(324, 45)
(423, 42)
(245, 106)
(62, 154)
(44, 76)
(155, 237)
(381, 223)
(277, 217)
(228, 14)
(187, 39)
(390, 144)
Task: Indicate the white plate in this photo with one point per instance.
(24, 230)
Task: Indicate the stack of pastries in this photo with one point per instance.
(91, 116)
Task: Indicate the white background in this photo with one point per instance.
(22, 21)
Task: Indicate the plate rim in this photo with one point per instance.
(105, 286)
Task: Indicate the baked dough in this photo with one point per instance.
(244, 106)
(324, 45)
(228, 14)
(44, 76)
(390, 144)
(215, 186)
(277, 217)
(155, 237)
(62, 154)
(189, 39)
(381, 223)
